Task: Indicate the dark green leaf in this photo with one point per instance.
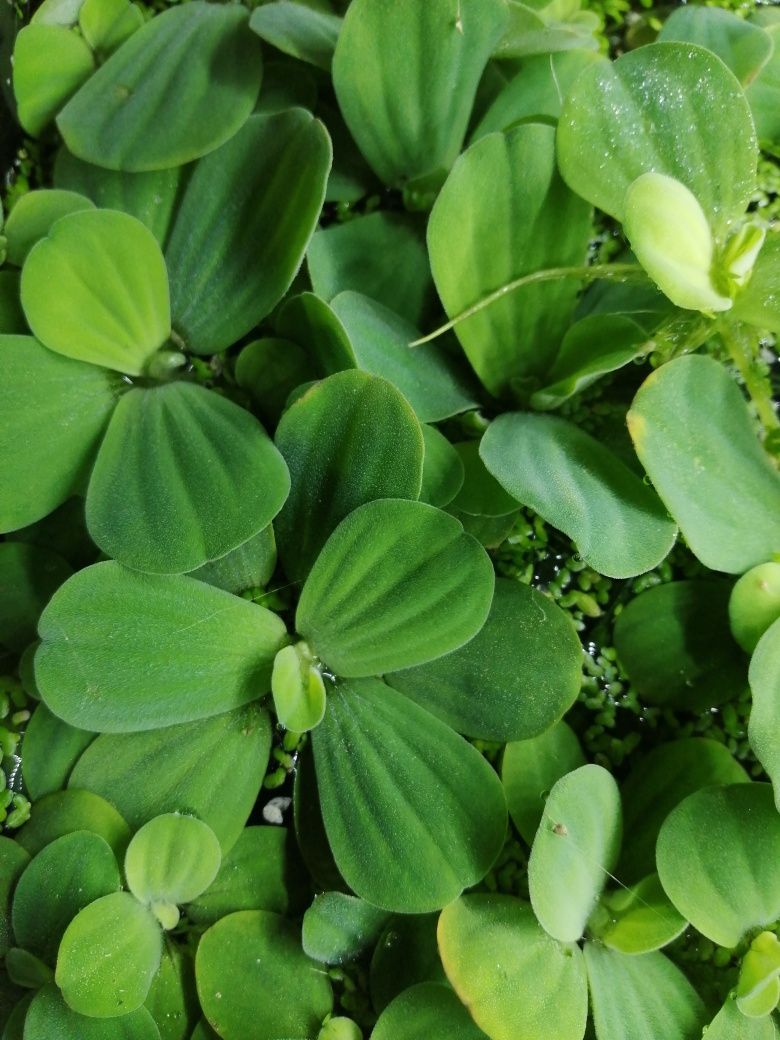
(270, 369)
(55, 411)
(513, 680)
(212, 769)
(49, 1016)
(406, 75)
(764, 682)
(405, 955)
(13, 860)
(177, 89)
(64, 812)
(397, 584)
(248, 566)
(714, 477)
(28, 577)
(413, 812)
(311, 323)
(173, 999)
(429, 1010)
(298, 30)
(579, 486)
(243, 224)
(443, 472)
(481, 494)
(183, 476)
(339, 927)
(152, 650)
(256, 983)
(348, 440)
(479, 240)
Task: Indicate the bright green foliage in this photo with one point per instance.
(108, 957)
(574, 482)
(172, 1000)
(177, 89)
(731, 1024)
(106, 24)
(716, 854)
(478, 241)
(65, 876)
(642, 997)
(405, 77)
(348, 440)
(298, 689)
(713, 477)
(636, 920)
(298, 30)
(385, 772)
(675, 644)
(529, 770)
(255, 982)
(34, 214)
(50, 64)
(110, 299)
(64, 812)
(757, 989)
(243, 223)
(516, 677)
(651, 110)
(518, 983)
(575, 850)
(754, 604)
(429, 1010)
(182, 477)
(417, 586)
(50, 1016)
(56, 411)
(211, 768)
(153, 622)
(171, 860)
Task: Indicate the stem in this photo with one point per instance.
(606, 272)
(742, 353)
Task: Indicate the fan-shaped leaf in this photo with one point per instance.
(744, 47)
(34, 214)
(49, 1016)
(443, 472)
(427, 1009)
(300, 31)
(171, 859)
(338, 927)
(50, 63)
(64, 812)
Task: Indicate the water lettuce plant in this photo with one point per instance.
(390, 559)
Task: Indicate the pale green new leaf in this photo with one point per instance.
(50, 63)
(124, 652)
(636, 920)
(171, 859)
(298, 689)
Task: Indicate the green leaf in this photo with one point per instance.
(65, 876)
(429, 1010)
(481, 494)
(392, 779)
(261, 872)
(64, 812)
(13, 860)
(764, 677)
(34, 214)
(243, 224)
(443, 472)
(675, 644)
(150, 197)
(50, 63)
(256, 983)
(298, 689)
(270, 370)
(55, 411)
(480, 240)
(745, 48)
(754, 604)
(12, 321)
(641, 998)
(651, 110)
(535, 93)
(381, 255)
(636, 920)
(544, 28)
(397, 584)
(311, 323)
(339, 927)
(106, 24)
(579, 486)
(763, 94)
(49, 1016)
(670, 236)
(183, 476)
(110, 306)
(757, 987)
(517, 982)
(759, 302)
(530, 768)
(659, 781)
(152, 650)
(731, 1024)
(714, 478)
(405, 955)
(349, 439)
(29, 575)
(108, 957)
(428, 378)
(298, 30)
(574, 851)
(592, 347)
(171, 860)
(405, 77)
(212, 769)
(173, 999)
(25, 970)
(513, 680)
(716, 856)
(249, 565)
(178, 88)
